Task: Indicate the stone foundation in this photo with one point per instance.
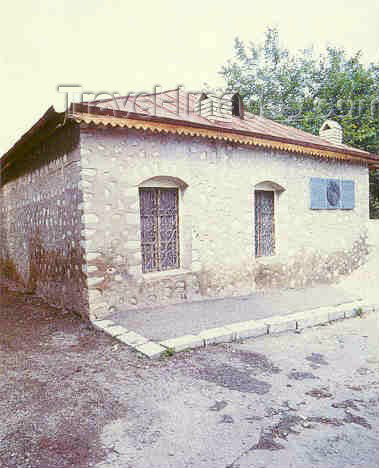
(310, 268)
(304, 271)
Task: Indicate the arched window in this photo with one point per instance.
(159, 211)
(265, 196)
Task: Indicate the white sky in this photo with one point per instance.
(122, 46)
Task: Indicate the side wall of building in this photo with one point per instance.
(41, 222)
(216, 182)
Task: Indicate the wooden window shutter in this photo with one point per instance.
(159, 229)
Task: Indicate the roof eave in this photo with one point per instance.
(362, 155)
(44, 126)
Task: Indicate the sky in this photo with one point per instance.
(123, 46)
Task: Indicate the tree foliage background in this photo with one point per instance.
(305, 88)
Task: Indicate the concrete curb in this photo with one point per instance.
(134, 340)
(235, 331)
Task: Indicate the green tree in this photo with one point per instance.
(303, 89)
(374, 194)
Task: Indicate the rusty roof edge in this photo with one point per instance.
(361, 154)
(51, 119)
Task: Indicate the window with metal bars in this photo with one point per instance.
(159, 228)
(264, 223)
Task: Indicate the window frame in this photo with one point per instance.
(273, 253)
(157, 190)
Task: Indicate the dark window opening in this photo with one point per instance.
(237, 106)
(159, 229)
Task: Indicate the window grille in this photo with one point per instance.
(159, 229)
(264, 223)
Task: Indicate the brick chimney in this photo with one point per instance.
(331, 131)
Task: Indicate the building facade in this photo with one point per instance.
(110, 213)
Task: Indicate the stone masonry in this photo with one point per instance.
(70, 221)
(41, 226)
(216, 182)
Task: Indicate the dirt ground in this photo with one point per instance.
(72, 397)
(56, 384)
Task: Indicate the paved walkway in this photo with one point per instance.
(191, 318)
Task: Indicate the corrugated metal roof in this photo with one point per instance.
(171, 116)
(173, 112)
(179, 106)
(218, 134)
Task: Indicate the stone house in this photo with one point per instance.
(127, 203)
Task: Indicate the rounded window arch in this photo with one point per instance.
(269, 185)
(164, 181)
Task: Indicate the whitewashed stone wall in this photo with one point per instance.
(40, 230)
(217, 219)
